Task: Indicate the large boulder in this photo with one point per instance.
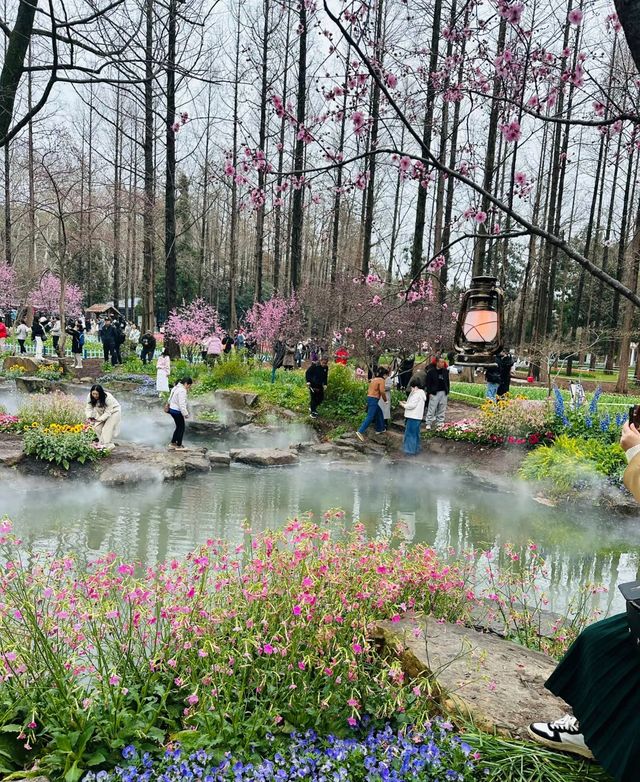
(213, 428)
(11, 450)
(236, 400)
(496, 683)
(265, 457)
(20, 362)
(218, 459)
(37, 385)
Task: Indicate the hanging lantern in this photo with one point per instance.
(480, 323)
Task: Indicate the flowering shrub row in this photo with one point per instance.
(9, 423)
(225, 648)
(434, 753)
(47, 409)
(586, 421)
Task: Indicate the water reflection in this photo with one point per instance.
(157, 521)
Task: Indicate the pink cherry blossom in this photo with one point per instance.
(575, 16)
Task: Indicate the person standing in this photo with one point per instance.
(56, 330)
(3, 334)
(437, 387)
(120, 338)
(493, 377)
(104, 416)
(289, 360)
(109, 342)
(316, 378)
(505, 364)
(76, 332)
(163, 370)
(375, 393)
(385, 405)
(212, 348)
(22, 330)
(227, 343)
(148, 342)
(39, 335)
(134, 337)
(179, 411)
(342, 355)
(413, 413)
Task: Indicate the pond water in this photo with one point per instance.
(161, 520)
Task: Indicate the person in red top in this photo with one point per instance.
(3, 334)
(342, 354)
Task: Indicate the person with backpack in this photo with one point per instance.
(148, 342)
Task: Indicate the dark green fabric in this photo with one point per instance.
(599, 677)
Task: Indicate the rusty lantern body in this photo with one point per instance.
(479, 328)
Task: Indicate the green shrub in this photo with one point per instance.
(61, 445)
(47, 409)
(572, 463)
(346, 397)
(230, 371)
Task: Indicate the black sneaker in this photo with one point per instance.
(563, 735)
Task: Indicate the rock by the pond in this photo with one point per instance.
(130, 464)
(37, 385)
(265, 457)
(499, 684)
(11, 450)
(199, 426)
(236, 400)
(20, 362)
(218, 459)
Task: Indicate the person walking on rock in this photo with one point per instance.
(316, 378)
(212, 348)
(375, 393)
(104, 416)
(179, 411)
(413, 413)
(163, 370)
(22, 331)
(437, 387)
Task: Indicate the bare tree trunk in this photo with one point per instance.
(148, 303)
(479, 260)
(205, 199)
(373, 142)
(427, 130)
(632, 264)
(277, 230)
(117, 188)
(297, 201)
(262, 143)
(337, 199)
(170, 250)
(233, 221)
(13, 67)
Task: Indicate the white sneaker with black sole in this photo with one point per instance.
(562, 735)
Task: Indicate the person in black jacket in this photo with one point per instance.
(75, 331)
(437, 388)
(109, 342)
(39, 336)
(316, 377)
(148, 342)
(505, 362)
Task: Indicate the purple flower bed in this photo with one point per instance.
(387, 755)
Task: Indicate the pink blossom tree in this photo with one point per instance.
(46, 296)
(8, 287)
(278, 318)
(190, 324)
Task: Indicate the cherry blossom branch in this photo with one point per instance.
(431, 159)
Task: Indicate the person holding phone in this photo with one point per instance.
(599, 676)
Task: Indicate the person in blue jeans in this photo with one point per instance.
(492, 376)
(375, 393)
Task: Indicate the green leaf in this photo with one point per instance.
(12, 728)
(73, 774)
(96, 759)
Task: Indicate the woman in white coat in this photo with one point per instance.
(413, 412)
(163, 370)
(103, 414)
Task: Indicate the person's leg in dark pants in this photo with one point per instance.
(22, 347)
(178, 434)
(106, 352)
